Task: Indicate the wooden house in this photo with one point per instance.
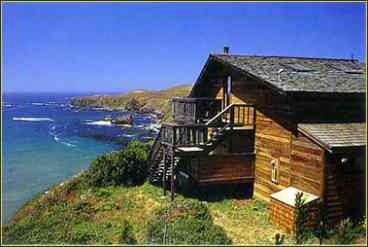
(278, 125)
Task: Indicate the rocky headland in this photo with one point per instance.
(156, 103)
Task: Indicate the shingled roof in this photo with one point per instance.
(299, 74)
(336, 135)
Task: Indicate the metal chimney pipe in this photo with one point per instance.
(226, 50)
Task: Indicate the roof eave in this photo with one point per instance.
(315, 139)
(329, 148)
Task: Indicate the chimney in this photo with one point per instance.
(226, 50)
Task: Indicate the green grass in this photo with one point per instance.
(75, 213)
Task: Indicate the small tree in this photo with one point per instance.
(321, 230)
(300, 217)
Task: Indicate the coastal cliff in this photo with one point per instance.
(143, 101)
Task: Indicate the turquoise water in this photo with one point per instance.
(46, 140)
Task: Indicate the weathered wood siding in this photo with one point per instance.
(273, 141)
(301, 161)
(283, 214)
(345, 193)
(216, 89)
(246, 91)
(222, 168)
(238, 141)
(307, 165)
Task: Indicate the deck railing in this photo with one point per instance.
(194, 110)
(186, 135)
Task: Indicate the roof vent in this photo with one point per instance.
(226, 50)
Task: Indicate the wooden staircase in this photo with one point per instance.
(157, 167)
(334, 205)
(175, 141)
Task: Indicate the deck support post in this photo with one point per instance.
(172, 174)
(164, 172)
(232, 115)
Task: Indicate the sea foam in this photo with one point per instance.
(39, 104)
(101, 123)
(32, 119)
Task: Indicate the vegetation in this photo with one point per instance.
(106, 211)
(320, 231)
(125, 167)
(156, 102)
(75, 213)
(347, 231)
(300, 218)
(185, 223)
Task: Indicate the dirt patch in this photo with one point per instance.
(244, 202)
(72, 197)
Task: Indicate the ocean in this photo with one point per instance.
(46, 140)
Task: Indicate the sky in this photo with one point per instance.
(115, 47)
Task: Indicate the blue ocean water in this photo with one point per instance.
(46, 140)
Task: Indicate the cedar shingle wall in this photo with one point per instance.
(282, 214)
(272, 142)
(307, 165)
(222, 167)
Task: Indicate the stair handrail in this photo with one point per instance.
(156, 142)
(219, 114)
(229, 107)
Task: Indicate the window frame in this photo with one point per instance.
(275, 170)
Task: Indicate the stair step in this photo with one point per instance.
(333, 204)
(334, 210)
(334, 215)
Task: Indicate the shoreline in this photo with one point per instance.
(151, 127)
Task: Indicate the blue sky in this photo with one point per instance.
(114, 47)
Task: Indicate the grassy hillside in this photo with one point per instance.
(71, 213)
(137, 100)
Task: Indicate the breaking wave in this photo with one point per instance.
(57, 139)
(100, 123)
(155, 127)
(32, 119)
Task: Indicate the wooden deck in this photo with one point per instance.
(198, 142)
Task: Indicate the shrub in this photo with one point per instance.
(347, 231)
(185, 223)
(133, 105)
(320, 231)
(127, 234)
(125, 167)
(300, 218)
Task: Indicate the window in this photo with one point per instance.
(275, 171)
(297, 67)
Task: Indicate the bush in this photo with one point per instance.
(133, 105)
(125, 167)
(347, 231)
(320, 231)
(127, 236)
(300, 218)
(186, 223)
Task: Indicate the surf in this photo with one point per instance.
(31, 119)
